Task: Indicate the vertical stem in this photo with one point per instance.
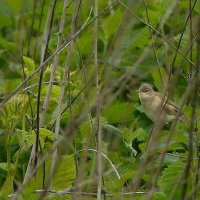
(191, 37)
(152, 42)
(196, 174)
(73, 28)
(44, 48)
(33, 157)
(55, 64)
(31, 28)
(99, 136)
(62, 93)
(38, 29)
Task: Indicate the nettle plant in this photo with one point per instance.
(72, 124)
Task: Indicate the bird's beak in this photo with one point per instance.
(137, 90)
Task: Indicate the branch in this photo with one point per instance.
(61, 97)
(99, 130)
(62, 192)
(63, 46)
(156, 31)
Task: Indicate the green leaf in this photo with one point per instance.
(65, 173)
(7, 187)
(5, 44)
(119, 112)
(172, 177)
(113, 184)
(5, 21)
(16, 6)
(157, 78)
(86, 130)
(29, 65)
(46, 133)
(55, 93)
(4, 166)
(109, 129)
(159, 196)
(112, 22)
(64, 176)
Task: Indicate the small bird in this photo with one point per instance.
(151, 104)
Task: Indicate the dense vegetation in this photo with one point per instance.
(71, 123)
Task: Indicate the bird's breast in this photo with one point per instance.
(151, 107)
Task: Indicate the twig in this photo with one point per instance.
(190, 156)
(31, 28)
(156, 31)
(63, 46)
(61, 97)
(155, 128)
(71, 120)
(192, 120)
(57, 192)
(54, 66)
(99, 130)
(191, 34)
(180, 39)
(44, 48)
(38, 29)
(184, 98)
(65, 138)
(35, 85)
(104, 155)
(196, 174)
(152, 42)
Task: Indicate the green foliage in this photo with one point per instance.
(118, 112)
(125, 59)
(29, 65)
(64, 176)
(173, 174)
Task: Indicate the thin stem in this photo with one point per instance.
(191, 34)
(152, 42)
(63, 46)
(61, 97)
(38, 29)
(44, 48)
(99, 131)
(164, 38)
(106, 157)
(31, 28)
(55, 64)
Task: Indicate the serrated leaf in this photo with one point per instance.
(113, 184)
(46, 133)
(118, 112)
(64, 176)
(173, 176)
(29, 65)
(55, 93)
(85, 129)
(65, 173)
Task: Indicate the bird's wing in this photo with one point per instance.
(170, 107)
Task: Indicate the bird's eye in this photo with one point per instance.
(145, 90)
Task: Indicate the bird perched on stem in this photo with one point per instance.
(152, 103)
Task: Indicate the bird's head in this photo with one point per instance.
(145, 91)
